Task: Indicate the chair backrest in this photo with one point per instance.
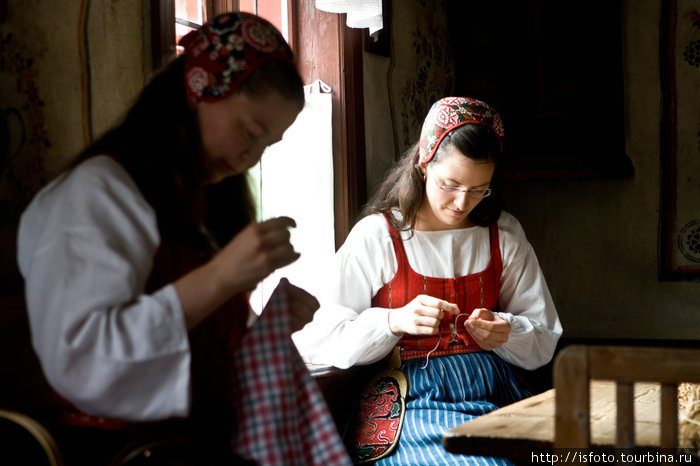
(576, 365)
(25, 441)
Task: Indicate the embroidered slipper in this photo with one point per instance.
(373, 431)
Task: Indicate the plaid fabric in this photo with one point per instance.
(281, 415)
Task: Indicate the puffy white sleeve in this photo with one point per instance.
(525, 301)
(86, 246)
(346, 330)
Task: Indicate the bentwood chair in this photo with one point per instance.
(26, 441)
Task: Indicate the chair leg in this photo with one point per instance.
(625, 415)
(669, 416)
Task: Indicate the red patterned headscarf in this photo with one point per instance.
(450, 113)
(223, 52)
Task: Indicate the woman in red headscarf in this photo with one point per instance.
(438, 272)
(139, 257)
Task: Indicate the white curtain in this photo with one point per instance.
(295, 179)
(361, 13)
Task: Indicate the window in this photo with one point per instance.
(325, 50)
(189, 15)
(295, 178)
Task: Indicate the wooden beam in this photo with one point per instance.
(162, 32)
(624, 437)
(572, 418)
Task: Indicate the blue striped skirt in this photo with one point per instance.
(450, 391)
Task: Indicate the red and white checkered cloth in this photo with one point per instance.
(281, 415)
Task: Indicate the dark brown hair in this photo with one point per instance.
(158, 143)
(404, 186)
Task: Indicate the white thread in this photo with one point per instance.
(427, 356)
(454, 338)
(457, 317)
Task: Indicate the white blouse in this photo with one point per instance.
(85, 248)
(346, 330)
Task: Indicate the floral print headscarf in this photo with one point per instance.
(223, 52)
(452, 112)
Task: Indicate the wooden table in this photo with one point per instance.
(518, 430)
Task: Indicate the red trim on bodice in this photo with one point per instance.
(478, 290)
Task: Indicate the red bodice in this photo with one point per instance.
(478, 290)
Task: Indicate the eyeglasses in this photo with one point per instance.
(475, 193)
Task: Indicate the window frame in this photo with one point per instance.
(325, 49)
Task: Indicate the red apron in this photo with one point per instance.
(478, 290)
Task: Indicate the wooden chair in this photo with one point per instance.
(25, 441)
(576, 365)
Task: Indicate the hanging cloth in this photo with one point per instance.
(360, 13)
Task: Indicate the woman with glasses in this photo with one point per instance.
(436, 270)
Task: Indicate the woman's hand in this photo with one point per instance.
(250, 256)
(421, 316)
(487, 328)
(254, 253)
(302, 306)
